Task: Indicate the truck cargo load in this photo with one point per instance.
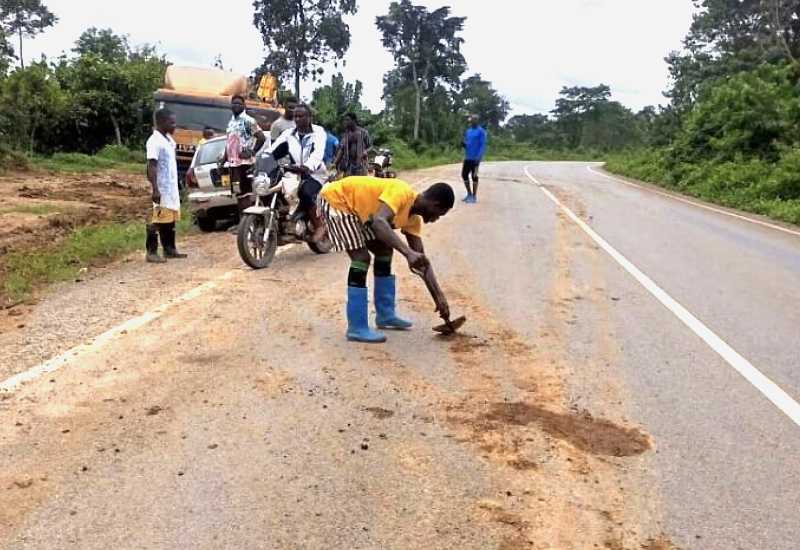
(195, 81)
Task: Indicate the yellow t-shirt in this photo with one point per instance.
(363, 195)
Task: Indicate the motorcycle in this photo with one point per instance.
(274, 220)
(382, 163)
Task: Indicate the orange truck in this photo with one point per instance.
(201, 98)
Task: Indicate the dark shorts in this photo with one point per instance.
(470, 168)
(243, 175)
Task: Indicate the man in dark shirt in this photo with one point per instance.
(354, 148)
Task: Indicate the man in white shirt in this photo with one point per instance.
(286, 121)
(162, 173)
(305, 145)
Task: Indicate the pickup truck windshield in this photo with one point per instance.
(210, 151)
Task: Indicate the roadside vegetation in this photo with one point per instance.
(111, 157)
(731, 132)
(26, 270)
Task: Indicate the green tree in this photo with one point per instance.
(302, 35)
(426, 49)
(6, 52)
(532, 129)
(25, 18)
(331, 102)
(31, 102)
(478, 97)
(754, 114)
(112, 88)
(728, 37)
(104, 44)
(573, 107)
(115, 93)
(608, 126)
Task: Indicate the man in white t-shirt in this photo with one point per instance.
(162, 173)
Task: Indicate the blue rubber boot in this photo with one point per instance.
(358, 318)
(385, 294)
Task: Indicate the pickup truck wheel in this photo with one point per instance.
(207, 224)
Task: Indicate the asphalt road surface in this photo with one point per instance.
(592, 401)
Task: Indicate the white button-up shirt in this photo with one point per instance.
(161, 148)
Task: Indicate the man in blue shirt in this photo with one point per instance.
(475, 141)
(331, 147)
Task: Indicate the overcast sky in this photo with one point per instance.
(528, 49)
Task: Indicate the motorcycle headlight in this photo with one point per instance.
(261, 185)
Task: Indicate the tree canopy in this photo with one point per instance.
(426, 47)
(24, 18)
(302, 35)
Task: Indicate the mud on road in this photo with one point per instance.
(242, 418)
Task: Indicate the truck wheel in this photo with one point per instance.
(207, 224)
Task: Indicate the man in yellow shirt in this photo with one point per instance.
(361, 213)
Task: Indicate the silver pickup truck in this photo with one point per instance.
(211, 198)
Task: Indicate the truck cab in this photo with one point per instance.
(201, 98)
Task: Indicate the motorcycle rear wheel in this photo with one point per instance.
(253, 249)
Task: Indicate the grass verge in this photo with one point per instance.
(405, 158)
(80, 163)
(28, 270)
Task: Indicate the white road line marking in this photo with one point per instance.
(697, 204)
(116, 332)
(767, 387)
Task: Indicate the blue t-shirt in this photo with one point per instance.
(331, 144)
(475, 140)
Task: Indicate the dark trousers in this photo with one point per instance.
(242, 175)
(165, 231)
(470, 168)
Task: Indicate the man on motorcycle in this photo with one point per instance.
(361, 214)
(305, 146)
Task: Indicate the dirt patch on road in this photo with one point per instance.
(595, 436)
(379, 413)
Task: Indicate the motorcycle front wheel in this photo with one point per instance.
(257, 246)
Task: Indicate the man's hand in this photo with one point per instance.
(156, 196)
(417, 262)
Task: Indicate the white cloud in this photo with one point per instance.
(529, 49)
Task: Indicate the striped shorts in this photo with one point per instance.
(346, 231)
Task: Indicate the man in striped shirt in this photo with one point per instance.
(354, 148)
(361, 214)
